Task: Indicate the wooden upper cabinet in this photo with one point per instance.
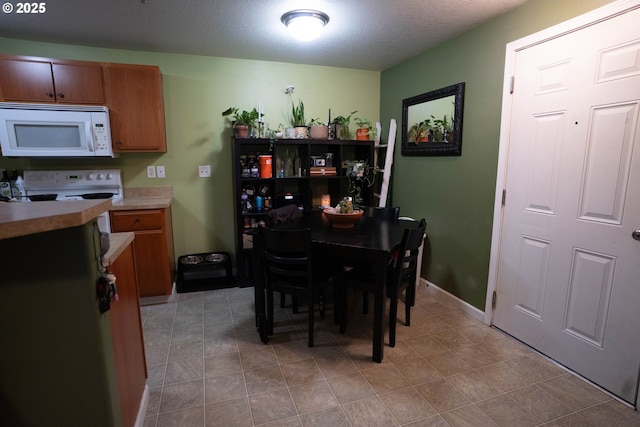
(78, 84)
(136, 108)
(44, 81)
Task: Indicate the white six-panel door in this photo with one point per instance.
(568, 274)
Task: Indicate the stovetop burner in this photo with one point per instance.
(75, 184)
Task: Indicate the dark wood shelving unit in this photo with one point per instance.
(306, 190)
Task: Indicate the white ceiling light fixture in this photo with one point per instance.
(305, 24)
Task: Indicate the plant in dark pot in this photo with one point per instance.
(242, 121)
(342, 126)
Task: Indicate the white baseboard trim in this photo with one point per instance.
(143, 407)
(448, 298)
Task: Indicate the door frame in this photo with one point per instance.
(605, 12)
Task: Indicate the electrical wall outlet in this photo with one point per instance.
(160, 172)
(204, 171)
(151, 171)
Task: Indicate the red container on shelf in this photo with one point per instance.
(265, 166)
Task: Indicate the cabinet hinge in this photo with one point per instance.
(512, 84)
(504, 197)
(493, 299)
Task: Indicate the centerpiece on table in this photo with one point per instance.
(343, 215)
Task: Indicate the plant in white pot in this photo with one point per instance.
(318, 129)
(297, 119)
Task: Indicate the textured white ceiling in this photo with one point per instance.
(361, 34)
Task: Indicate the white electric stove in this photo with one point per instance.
(63, 185)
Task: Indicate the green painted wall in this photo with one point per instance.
(456, 194)
(196, 91)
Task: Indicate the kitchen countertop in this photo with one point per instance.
(25, 218)
(144, 198)
(117, 243)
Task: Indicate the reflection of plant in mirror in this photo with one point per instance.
(419, 132)
(441, 129)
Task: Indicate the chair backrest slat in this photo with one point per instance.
(404, 270)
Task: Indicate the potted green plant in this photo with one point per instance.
(360, 176)
(297, 119)
(242, 121)
(318, 129)
(342, 126)
(420, 131)
(365, 131)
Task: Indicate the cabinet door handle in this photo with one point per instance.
(137, 220)
(49, 94)
(118, 142)
(60, 95)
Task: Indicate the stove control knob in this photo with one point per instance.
(109, 176)
(91, 177)
(100, 176)
(44, 177)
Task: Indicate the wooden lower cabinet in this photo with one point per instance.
(127, 339)
(152, 247)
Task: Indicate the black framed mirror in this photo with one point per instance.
(432, 122)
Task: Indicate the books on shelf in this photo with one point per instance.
(323, 171)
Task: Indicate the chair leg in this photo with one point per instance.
(365, 302)
(321, 304)
(410, 299)
(343, 309)
(269, 312)
(393, 315)
(311, 315)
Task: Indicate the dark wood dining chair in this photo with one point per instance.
(287, 268)
(382, 213)
(401, 277)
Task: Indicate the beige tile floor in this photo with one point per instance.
(207, 367)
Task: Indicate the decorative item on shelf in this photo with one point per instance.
(366, 131)
(318, 130)
(342, 126)
(326, 201)
(360, 176)
(242, 121)
(265, 162)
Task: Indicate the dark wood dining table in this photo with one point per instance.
(371, 240)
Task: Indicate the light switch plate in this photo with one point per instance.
(160, 172)
(151, 171)
(204, 171)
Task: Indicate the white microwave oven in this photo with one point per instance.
(54, 130)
